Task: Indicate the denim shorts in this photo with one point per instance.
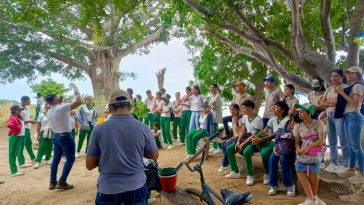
(302, 167)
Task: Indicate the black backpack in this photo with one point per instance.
(341, 102)
(153, 182)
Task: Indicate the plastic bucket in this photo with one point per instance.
(168, 171)
(168, 182)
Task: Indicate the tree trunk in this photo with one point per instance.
(259, 89)
(104, 72)
(160, 77)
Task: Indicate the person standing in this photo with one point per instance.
(39, 105)
(336, 125)
(272, 95)
(16, 133)
(216, 108)
(289, 98)
(166, 121)
(87, 117)
(149, 102)
(239, 98)
(63, 142)
(315, 96)
(117, 148)
(27, 139)
(157, 107)
(353, 122)
(186, 114)
(177, 111)
(196, 102)
(44, 134)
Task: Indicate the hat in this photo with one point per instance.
(119, 96)
(205, 105)
(15, 108)
(355, 69)
(239, 82)
(316, 83)
(307, 106)
(270, 78)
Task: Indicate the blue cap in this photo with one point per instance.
(271, 79)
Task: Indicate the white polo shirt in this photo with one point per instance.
(25, 116)
(45, 125)
(59, 118)
(251, 125)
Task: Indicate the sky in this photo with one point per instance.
(174, 56)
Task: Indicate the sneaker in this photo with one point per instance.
(49, 162)
(77, 154)
(331, 168)
(52, 185)
(272, 190)
(164, 146)
(36, 165)
(25, 165)
(341, 169)
(222, 168)
(291, 191)
(18, 173)
(170, 147)
(308, 202)
(347, 173)
(151, 200)
(233, 175)
(212, 150)
(319, 201)
(249, 180)
(64, 186)
(64, 159)
(266, 179)
(217, 151)
(182, 143)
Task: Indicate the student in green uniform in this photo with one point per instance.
(149, 102)
(157, 107)
(216, 108)
(44, 135)
(177, 111)
(157, 134)
(166, 121)
(186, 114)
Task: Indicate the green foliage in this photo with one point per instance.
(49, 86)
(140, 109)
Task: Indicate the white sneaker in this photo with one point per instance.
(291, 191)
(151, 200)
(222, 168)
(36, 165)
(249, 181)
(49, 162)
(341, 169)
(170, 147)
(217, 151)
(272, 190)
(164, 146)
(18, 173)
(64, 159)
(211, 150)
(77, 154)
(319, 201)
(356, 179)
(233, 175)
(308, 202)
(266, 179)
(182, 143)
(25, 165)
(331, 168)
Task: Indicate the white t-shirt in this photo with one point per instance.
(203, 121)
(165, 108)
(45, 125)
(251, 125)
(274, 124)
(25, 116)
(149, 103)
(196, 102)
(59, 118)
(22, 131)
(187, 101)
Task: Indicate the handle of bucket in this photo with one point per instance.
(179, 167)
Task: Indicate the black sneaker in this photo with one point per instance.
(52, 185)
(64, 186)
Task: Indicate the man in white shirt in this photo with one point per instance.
(149, 102)
(60, 121)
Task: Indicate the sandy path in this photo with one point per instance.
(32, 188)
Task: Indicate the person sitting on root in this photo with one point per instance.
(204, 129)
(157, 133)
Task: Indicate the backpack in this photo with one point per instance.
(283, 140)
(341, 102)
(314, 155)
(151, 172)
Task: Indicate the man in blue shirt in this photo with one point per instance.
(117, 148)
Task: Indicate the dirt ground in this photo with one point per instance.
(32, 188)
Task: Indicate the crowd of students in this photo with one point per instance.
(288, 133)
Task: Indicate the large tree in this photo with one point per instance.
(76, 38)
(298, 39)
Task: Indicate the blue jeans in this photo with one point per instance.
(353, 123)
(194, 120)
(225, 159)
(337, 130)
(63, 144)
(287, 161)
(136, 197)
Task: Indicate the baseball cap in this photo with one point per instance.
(307, 106)
(15, 108)
(119, 96)
(271, 79)
(355, 69)
(316, 83)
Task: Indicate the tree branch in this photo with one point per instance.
(327, 30)
(146, 41)
(197, 7)
(70, 61)
(356, 24)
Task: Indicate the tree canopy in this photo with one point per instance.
(49, 86)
